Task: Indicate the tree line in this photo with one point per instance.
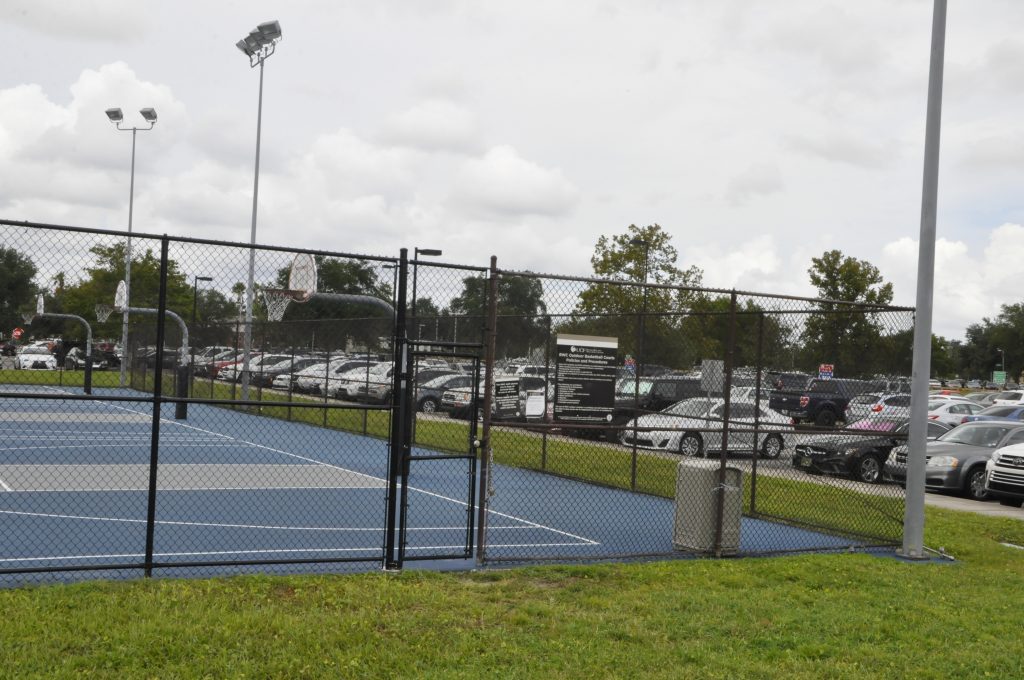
(659, 312)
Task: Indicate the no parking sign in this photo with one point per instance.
(17, 333)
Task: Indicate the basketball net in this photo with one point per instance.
(277, 300)
(103, 312)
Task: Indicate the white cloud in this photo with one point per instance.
(968, 286)
(757, 180)
(503, 184)
(96, 20)
(435, 125)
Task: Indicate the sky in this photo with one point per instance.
(758, 134)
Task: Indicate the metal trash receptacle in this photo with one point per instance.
(696, 507)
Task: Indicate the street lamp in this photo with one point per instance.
(431, 252)
(116, 117)
(1002, 363)
(195, 293)
(637, 241)
(258, 46)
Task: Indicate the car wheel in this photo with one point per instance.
(772, 446)
(691, 445)
(428, 406)
(825, 418)
(869, 469)
(975, 486)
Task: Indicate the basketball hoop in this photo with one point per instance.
(103, 312)
(27, 317)
(277, 300)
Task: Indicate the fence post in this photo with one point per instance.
(490, 340)
(396, 462)
(154, 443)
(726, 415)
(759, 367)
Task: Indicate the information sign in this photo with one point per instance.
(585, 372)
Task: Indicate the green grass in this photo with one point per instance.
(812, 616)
(59, 378)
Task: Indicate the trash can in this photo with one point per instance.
(696, 507)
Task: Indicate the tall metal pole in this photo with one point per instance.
(128, 270)
(913, 519)
(247, 342)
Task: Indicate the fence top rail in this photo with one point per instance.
(699, 289)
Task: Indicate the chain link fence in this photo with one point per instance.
(394, 409)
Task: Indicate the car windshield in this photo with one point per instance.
(937, 404)
(628, 386)
(979, 435)
(689, 407)
(875, 425)
(1000, 411)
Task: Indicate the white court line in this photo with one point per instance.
(125, 446)
(205, 488)
(338, 467)
(4, 485)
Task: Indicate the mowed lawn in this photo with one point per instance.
(809, 616)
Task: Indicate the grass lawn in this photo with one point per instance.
(806, 616)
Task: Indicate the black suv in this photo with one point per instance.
(668, 389)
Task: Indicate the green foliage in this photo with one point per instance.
(17, 288)
(521, 313)
(631, 310)
(848, 337)
(980, 356)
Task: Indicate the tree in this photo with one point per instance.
(845, 335)
(630, 310)
(522, 325)
(17, 289)
(101, 282)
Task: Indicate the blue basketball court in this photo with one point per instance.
(231, 486)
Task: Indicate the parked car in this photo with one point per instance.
(788, 381)
(1015, 397)
(1004, 475)
(670, 389)
(8, 348)
(325, 380)
(877, 405)
(35, 357)
(822, 402)
(74, 360)
(428, 394)
(268, 374)
(983, 398)
(957, 460)
(952, 411)
(257, 364)
(346, 385)
(860, 456)
(692, 427)
(1000, 412)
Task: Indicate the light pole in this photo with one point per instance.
(258, 46)
(195, 293)
(1002, 363)
(432, 252)
(116, 117)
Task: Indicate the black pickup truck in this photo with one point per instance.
(822, 402)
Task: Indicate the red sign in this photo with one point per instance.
(17, 333)
(804, 401)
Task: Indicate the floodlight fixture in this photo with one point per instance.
(260, 42)
(149, 114)
(270, 30)
(115, 115)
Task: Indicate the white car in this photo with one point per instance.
(347, 384)
(233, 373)
(36, 357)
(877, 405)
(1008, 398)
(692, 427)
(952, 412)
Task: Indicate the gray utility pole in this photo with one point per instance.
(913, 518)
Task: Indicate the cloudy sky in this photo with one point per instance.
(759, 134)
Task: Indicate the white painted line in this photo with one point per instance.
(4, 485)
(336, 467)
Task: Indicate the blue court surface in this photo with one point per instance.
(74, 479)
